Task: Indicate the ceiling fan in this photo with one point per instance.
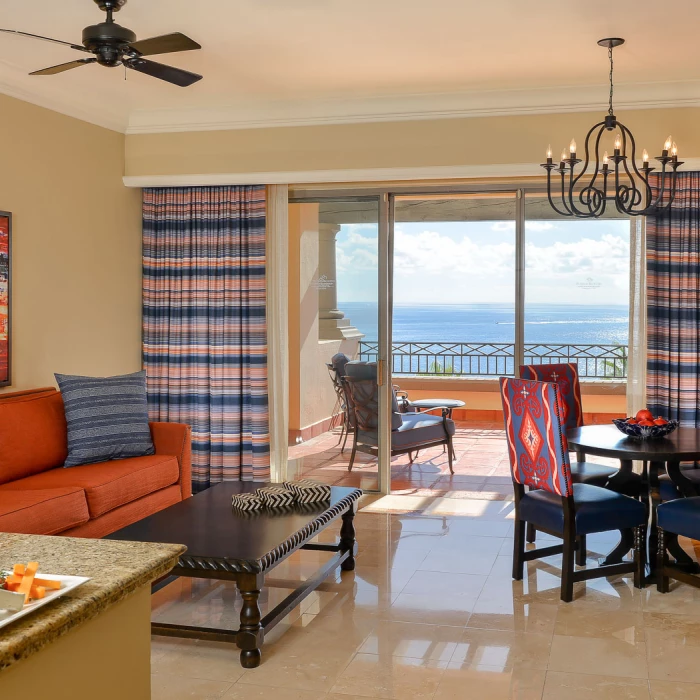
(114, 45)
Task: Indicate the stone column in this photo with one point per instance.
(332, 324)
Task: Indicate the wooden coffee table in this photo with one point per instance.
(229, 545)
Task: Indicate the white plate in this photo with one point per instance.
(68, 583)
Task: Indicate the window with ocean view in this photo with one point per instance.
(455, 302)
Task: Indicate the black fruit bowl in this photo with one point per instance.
(645, 432)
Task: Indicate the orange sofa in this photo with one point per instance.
(39, 497)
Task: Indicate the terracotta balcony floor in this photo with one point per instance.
(481, 468)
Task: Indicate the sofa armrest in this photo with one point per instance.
(176, 439)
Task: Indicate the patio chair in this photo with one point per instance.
(410, 432)
(336, 370)
(539, 458)
(677, 517)
(565, 375)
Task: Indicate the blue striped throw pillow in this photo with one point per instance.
(107, 417)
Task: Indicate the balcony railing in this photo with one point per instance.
(604, 361)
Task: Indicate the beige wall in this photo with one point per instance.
(479, 141)
(76, 257)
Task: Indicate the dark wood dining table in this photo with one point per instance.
(659, 456)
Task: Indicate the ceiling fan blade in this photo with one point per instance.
(168, 43)
(64, 66)
(77, 47)
(176, 76)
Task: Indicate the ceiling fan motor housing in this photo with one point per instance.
(108, 41)
(113, 5)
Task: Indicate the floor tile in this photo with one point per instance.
(673, 647)
(371, 675)
(214, 661)
(502, 649)
(417, 641)
(669, 690)
(250, 692)
(601, 656)
(166, 687)
(487, 683)
(444, 584)
(579, 686)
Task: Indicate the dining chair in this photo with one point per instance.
(539, 458)
(565, 375)
(677, 517)
(410, 432)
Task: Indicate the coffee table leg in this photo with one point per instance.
(347, 538)
(250, 634)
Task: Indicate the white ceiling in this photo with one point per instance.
(279, 62)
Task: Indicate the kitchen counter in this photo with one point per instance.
(116, 569)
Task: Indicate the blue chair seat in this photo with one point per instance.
(681, 517)
(669, 491)
(590, 473)
(416, 429)
(597, 510)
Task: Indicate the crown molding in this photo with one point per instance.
(69, 105)
(446, 172)
(252, 115)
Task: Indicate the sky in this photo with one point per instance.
(566, 262)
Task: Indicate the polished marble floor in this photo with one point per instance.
(431, 612)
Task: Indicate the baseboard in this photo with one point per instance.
(298, 435)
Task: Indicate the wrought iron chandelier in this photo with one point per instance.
(615, 178)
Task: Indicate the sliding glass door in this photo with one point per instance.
(335, 306)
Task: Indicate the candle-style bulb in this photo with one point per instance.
(605, 158)
(549, 151)
(572, 146)
(674, 149)
(618, 142)
(563, 156)
(645, 156)
(668, 143)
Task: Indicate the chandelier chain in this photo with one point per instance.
(610, 56)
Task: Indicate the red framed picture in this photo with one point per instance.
(5, 291)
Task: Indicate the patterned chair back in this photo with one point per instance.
(565, 375)
(537, 448)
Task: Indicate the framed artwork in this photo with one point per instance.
(5, 303)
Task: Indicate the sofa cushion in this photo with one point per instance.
(107, 417)
(32, 435)
(108, 485)
(43, 511)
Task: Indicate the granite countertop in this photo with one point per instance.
(115, 568)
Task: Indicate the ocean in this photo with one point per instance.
(495, 323)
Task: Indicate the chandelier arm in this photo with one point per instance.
(563, 194)
(590, 203)
(654, 206)
(632, 191)
(639, 175)
(549, 196)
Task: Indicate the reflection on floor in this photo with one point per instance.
(431, 612)
(481, 467)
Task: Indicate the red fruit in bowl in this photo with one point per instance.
(644, 414)
(646, 423)
(631, 421)
(660, 421)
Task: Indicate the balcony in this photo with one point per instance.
(430, 359)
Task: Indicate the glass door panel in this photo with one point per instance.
(333, 310)
(454, 317)
(577, 294)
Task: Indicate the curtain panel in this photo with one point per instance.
(204, 325)
(673, 303)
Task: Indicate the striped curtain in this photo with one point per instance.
(673, 306)
(204, 326)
